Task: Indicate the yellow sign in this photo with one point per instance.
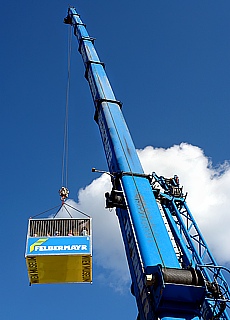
(59, 268)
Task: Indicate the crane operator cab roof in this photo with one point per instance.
(59, 250)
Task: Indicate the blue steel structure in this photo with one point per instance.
(174, 275)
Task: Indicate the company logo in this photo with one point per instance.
(74, 247)
(37, 243)
(38, 246)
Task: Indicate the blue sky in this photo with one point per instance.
(168, 62)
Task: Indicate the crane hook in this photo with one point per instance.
(64, 193)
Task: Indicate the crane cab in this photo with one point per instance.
(59, 250)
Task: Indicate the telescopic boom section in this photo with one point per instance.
(162, 285)
(122, 157)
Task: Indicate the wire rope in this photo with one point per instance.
(46, 211)
(66, 123)
(58, 206)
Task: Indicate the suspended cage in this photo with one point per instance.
(59, 250)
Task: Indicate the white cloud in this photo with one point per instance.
(208, 190)
(208, 199)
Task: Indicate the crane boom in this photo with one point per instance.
(169, 276)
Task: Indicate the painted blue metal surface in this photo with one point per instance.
(58, 245)
(195, 251)
(148, 224)
(139, 288)
(148, 246)
(153, 239)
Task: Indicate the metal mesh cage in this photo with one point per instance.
(59, 227)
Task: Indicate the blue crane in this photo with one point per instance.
(173, 272)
